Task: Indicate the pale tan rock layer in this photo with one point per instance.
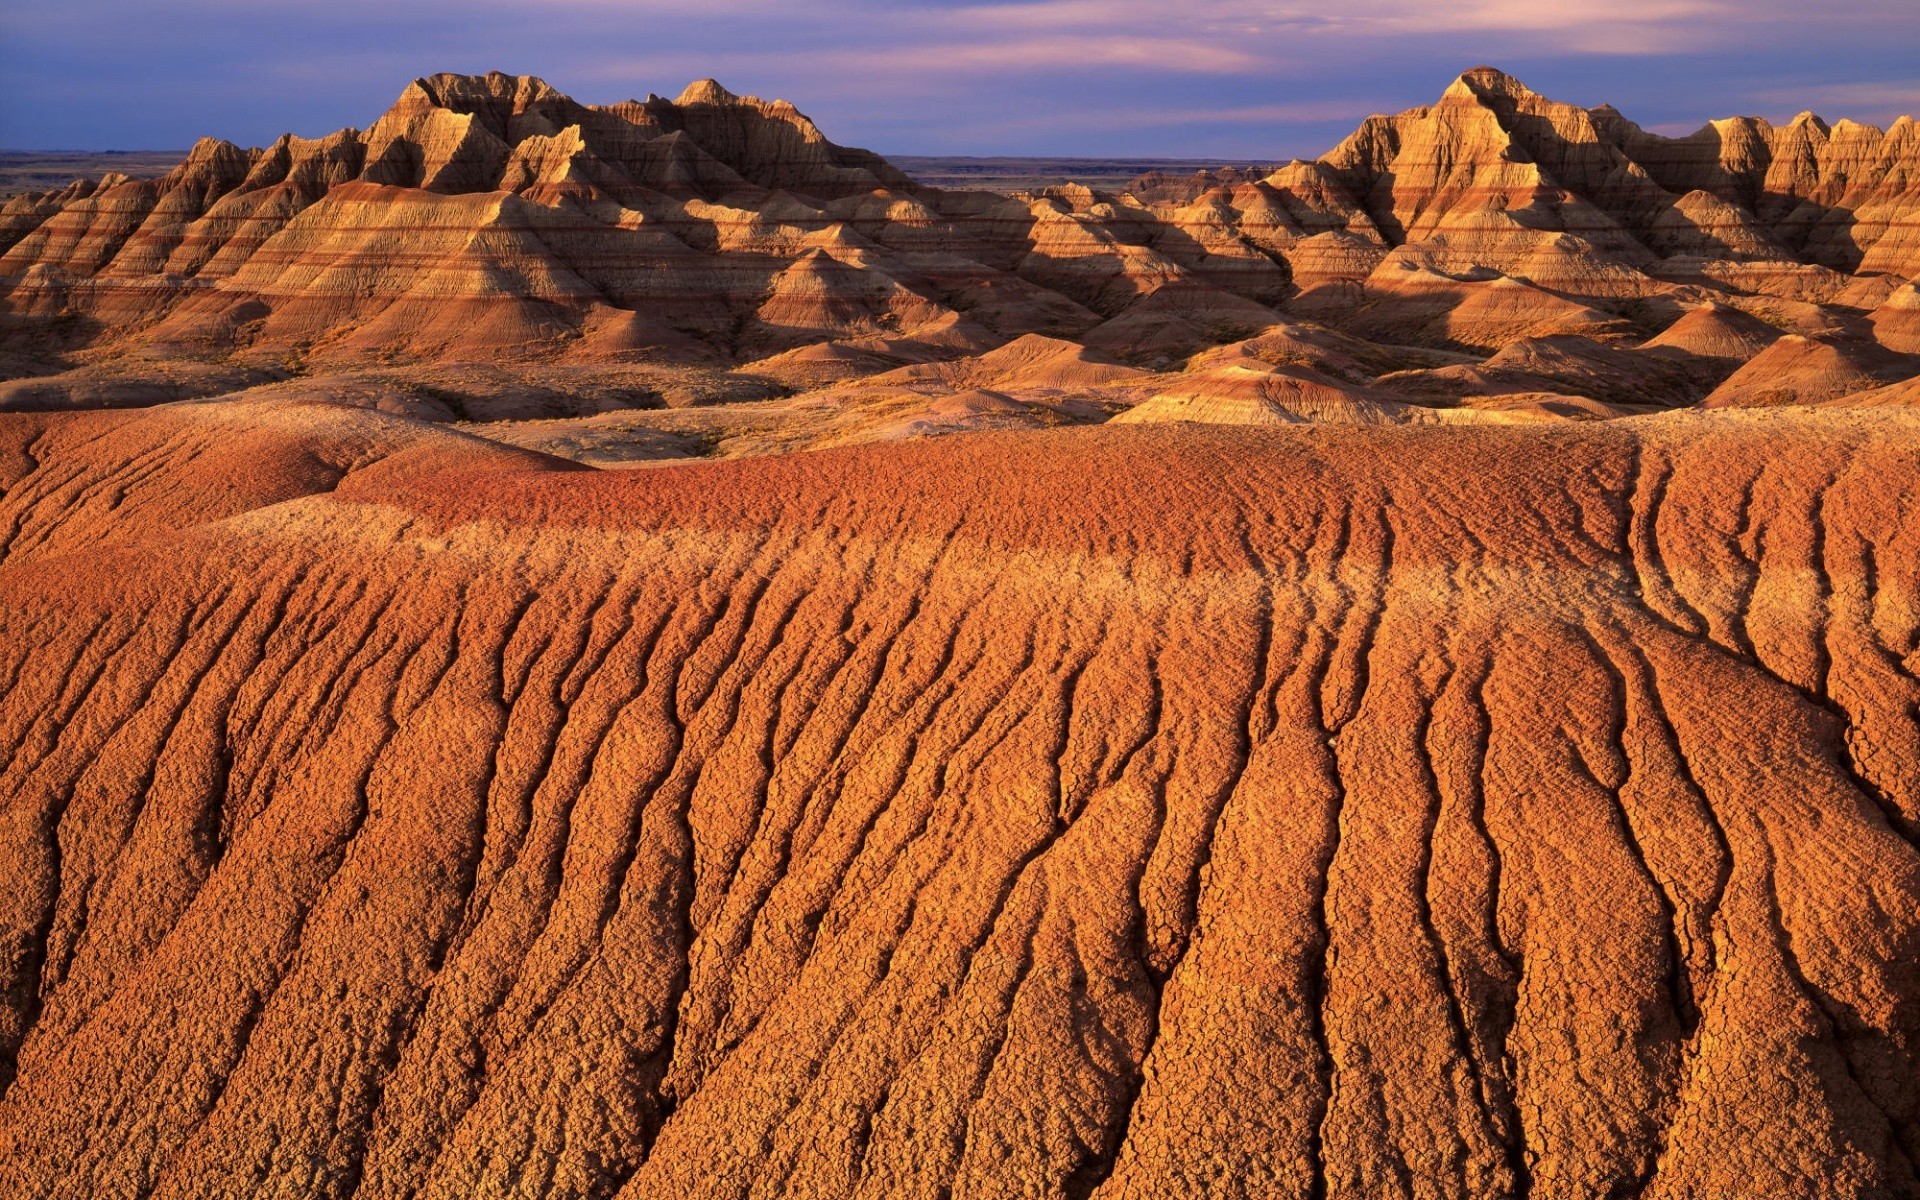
(1128, 812)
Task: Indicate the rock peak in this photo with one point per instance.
(706, 91)
(458, 92)
(1486, 82)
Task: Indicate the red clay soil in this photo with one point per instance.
(1150, 811)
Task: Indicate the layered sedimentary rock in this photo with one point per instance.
(491, 251)
(1126, 812)
(497, 211)
(1802, 370)
(1896, 324)
(1494, 171)
(1715, 331)
(494, 211)
(1463, 803)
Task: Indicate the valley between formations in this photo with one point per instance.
(1399, 676)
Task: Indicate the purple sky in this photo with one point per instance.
(1195, 79)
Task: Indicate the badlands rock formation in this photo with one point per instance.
(496, 215)
(1146, 811)
(727, 247)
(1496, 175)
(1361, 767)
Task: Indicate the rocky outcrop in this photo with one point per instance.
(1715, 331)
(495, 210)
(1896, 324)
(493, 217)
(1803, 370)
(1489, 174)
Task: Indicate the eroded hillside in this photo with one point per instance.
(1155, 811)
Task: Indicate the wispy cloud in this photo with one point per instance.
(1104, 119)
(1052, 53)
(1239, 78)
(1862, 100)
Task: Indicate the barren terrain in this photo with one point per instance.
(1399, 677)
(1149, 811)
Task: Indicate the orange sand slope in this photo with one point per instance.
(1141, 811)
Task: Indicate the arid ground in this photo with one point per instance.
(568, 651)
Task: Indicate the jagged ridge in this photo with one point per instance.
(662, 227)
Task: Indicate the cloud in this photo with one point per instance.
(1250, 78)
(1107, 119)
(1056, 53)
(1860, 99)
